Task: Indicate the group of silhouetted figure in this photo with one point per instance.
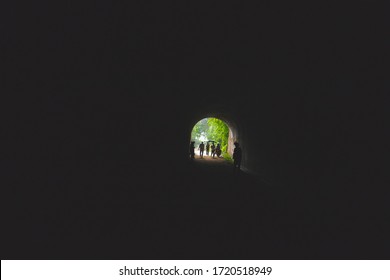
(216, 151)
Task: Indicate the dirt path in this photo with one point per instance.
(210, 160)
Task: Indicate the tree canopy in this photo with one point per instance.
(211, 129)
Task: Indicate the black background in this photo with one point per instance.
(85, 82)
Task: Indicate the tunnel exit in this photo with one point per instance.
(212, 138)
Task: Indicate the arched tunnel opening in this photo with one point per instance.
(216, 136)
(201, 128)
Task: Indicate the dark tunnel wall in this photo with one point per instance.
(290, 136)
(97, 103)
(308, 101)
(289, 133)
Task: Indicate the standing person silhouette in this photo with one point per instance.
(237, 156)
(201, 149)
(207, 148)
(213, 149)
(218, 150)
(192, 149)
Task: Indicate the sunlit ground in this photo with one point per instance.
(197, 154)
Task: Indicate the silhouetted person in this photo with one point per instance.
(237, 156)
(201, 149)
(207, 148)
(213, 150)
(192, 149)
(218, 150)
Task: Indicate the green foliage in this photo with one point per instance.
(213, 130)
(218, 131)
(227, 157)
(199, 129)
